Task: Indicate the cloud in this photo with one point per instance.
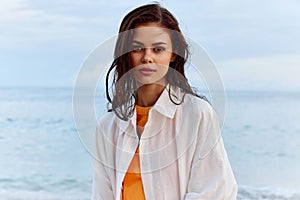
(242, 28)
(217, 23)
(23, 23)
(277, 72)
(244, 38)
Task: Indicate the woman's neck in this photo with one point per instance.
(148, 94)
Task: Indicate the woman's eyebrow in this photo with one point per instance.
(135, 41)
(156, 43)
(159, 43)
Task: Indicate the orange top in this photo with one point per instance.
(132, 183)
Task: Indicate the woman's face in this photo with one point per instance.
(151, 54)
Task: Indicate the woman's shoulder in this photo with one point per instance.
(108, 127)
(198, 109)
(195, 103)
(190, 102)
(106, 120)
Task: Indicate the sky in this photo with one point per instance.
(254, 44)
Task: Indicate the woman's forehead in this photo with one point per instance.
(151, 34)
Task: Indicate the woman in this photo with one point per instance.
(160, 139)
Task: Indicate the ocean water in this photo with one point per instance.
(41, 154)
(42, 157)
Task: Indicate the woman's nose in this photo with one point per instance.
(147, 56)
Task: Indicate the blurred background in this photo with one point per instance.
(254, 44)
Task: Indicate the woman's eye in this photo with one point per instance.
(137, 48)
(159, 49)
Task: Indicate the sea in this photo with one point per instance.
(42, 156)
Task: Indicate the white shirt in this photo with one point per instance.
(182, 155)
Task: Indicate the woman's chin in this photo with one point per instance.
(147, 82)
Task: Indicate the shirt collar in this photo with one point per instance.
(163, 105)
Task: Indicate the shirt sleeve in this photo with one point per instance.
(102, 188)
(211, 176)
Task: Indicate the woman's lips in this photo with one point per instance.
(147, 71)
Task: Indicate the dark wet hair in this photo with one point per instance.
(124, 89)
